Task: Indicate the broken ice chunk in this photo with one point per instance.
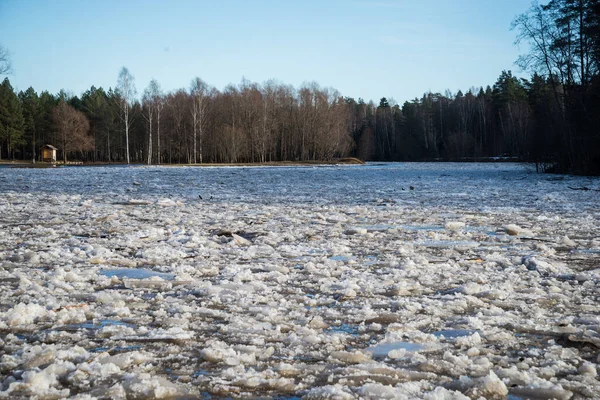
(455, 225)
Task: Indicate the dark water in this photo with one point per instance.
(467, 185)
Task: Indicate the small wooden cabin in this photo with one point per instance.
(49, 153)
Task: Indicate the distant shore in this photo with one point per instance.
(29, 164)
(337, 161)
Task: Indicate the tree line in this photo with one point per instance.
(552, 118)
(247, 122)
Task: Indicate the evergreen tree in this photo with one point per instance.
(11, 121)
(97, 106)
(30, 103)
(45, 127)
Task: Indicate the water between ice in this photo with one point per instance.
(381, 350)
(344, 329)
(134, 273)
(96, 325)
(450, 334)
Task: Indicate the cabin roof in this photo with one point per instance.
(49, 146)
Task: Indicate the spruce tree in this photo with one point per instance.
(30, 103)
(11, 121)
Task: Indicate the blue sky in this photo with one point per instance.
(369, 49)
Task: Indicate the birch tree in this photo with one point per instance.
(151, 104)
(127, 92)
(158, 103)
(199, 91)
(148, 114)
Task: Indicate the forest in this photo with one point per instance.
(551, 118)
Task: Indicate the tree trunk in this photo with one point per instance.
(158, 136)
(150, 139)
(195, 122)
(33, 147)
(201, 132)
(127, 132)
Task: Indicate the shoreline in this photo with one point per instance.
(338, 161)
(341, 161)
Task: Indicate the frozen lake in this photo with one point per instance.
(414, 280)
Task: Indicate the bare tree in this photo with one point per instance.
(127, 92)
(198, 90)
(148, 114)
(152, 106)
(177, 117)
(158, 103)
(5, 64)
(73, 128)
(269, 104)
(536, 28)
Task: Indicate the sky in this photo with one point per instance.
(399, 49)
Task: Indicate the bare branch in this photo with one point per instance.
(5, 63)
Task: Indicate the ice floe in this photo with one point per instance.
(124, 283)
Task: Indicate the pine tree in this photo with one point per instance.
(11, 120)
(30, 104)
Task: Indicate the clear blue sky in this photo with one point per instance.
(363, 48)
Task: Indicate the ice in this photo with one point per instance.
(457, 244)
(332, 392)
(535, 393)
(355, 357)
(455, 225)
(23, 314)
(588, 369)
(291, 282)
(124, 360)
(491, 386)
(355, 231)
(513, 229)
(451, 334)
(390, 349)
(379, 391)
